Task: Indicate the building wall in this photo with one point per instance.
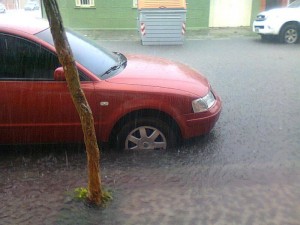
(230, 13)
(110, 14)
(257, 7)
(269, 4)
(197, 14)
(120, 14)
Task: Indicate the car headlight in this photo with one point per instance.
(261, 17)
(204, 103)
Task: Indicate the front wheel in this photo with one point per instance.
(289, 34)
(146, 134)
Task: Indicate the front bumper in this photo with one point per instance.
(197, 124)
(263, 27)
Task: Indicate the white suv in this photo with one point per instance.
(2, 8)
(281, 22)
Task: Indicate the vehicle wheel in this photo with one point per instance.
(289, 34)
(146, 134)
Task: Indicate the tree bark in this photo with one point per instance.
(66, 59)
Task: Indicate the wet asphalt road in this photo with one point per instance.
(247, 171)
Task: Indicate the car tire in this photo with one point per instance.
(289, 34)
(138, 135)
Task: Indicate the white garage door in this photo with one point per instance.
(230, 13)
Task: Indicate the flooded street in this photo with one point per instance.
(247, 171)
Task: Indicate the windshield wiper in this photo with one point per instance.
(122, 61)
(113, 68)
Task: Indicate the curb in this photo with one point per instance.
(133, 35)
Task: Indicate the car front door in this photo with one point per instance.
(34, 107)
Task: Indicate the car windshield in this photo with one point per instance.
(102, 63)
(295, 4)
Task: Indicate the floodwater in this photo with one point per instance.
(247, 171)
(193, 184)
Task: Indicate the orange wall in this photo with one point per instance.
(263, 4)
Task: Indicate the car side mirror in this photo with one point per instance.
(59, 74)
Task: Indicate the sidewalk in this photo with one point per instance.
(219, 33)
(205, 33)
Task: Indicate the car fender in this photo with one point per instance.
(109, 118)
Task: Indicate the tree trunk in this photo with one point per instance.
(66, 59)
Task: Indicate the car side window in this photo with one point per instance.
(21, 59)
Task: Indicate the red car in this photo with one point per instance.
(138, 102)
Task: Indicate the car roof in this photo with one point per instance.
(30, 25)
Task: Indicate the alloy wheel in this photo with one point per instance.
(146, 137)
(290, 36)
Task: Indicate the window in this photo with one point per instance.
(85, 3)
(21, 59)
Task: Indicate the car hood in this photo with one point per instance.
(280, 11)
(158, 72)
